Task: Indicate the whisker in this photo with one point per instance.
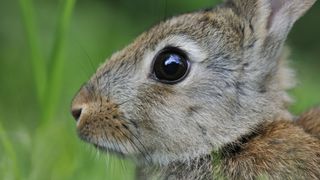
(122, 103)
(119, 104)
(125, 148)
(144, 153)
(144, 148)
(89, 59)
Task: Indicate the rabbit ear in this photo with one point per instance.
(269, 22)
(284, 13)
(271, 17)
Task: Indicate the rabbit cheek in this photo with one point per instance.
(154, 94)
(150, 98)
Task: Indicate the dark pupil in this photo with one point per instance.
(170, 66)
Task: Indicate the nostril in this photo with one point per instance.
(76, 113)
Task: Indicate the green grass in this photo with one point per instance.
(47, 93)
(50, 150)
(10, 164)
(56, 63)
(48, 49)
(38, 63)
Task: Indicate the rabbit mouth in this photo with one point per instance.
(112, 145)
(107, 146)
(109, 150)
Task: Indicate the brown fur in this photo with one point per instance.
(279, 150)
(310, 122)
(98, 123)
(276, 150)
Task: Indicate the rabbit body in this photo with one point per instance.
(232, 98)
(276, 150)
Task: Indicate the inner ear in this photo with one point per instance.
(284, 13)
(275, 7)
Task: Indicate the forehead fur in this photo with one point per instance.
(220, 26)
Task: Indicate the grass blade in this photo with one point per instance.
(56, 62)
(38, 63)
(52, 94)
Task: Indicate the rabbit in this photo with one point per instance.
(310, 122)
(203, 95)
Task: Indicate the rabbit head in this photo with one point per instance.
(192, 83)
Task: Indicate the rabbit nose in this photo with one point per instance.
(79, 103)
(76, 113)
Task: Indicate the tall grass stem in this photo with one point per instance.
(56, 64)
(37, 60)
(48, 77)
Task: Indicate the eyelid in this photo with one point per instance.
(176, 49)
(186, 44)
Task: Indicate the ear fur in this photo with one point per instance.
(270, 22)
(271, 17)
(284, 13)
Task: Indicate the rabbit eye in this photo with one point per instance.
(170, 65)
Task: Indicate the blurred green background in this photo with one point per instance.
(48, 48)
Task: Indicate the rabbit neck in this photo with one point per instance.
(197, 168)
(208, 166)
